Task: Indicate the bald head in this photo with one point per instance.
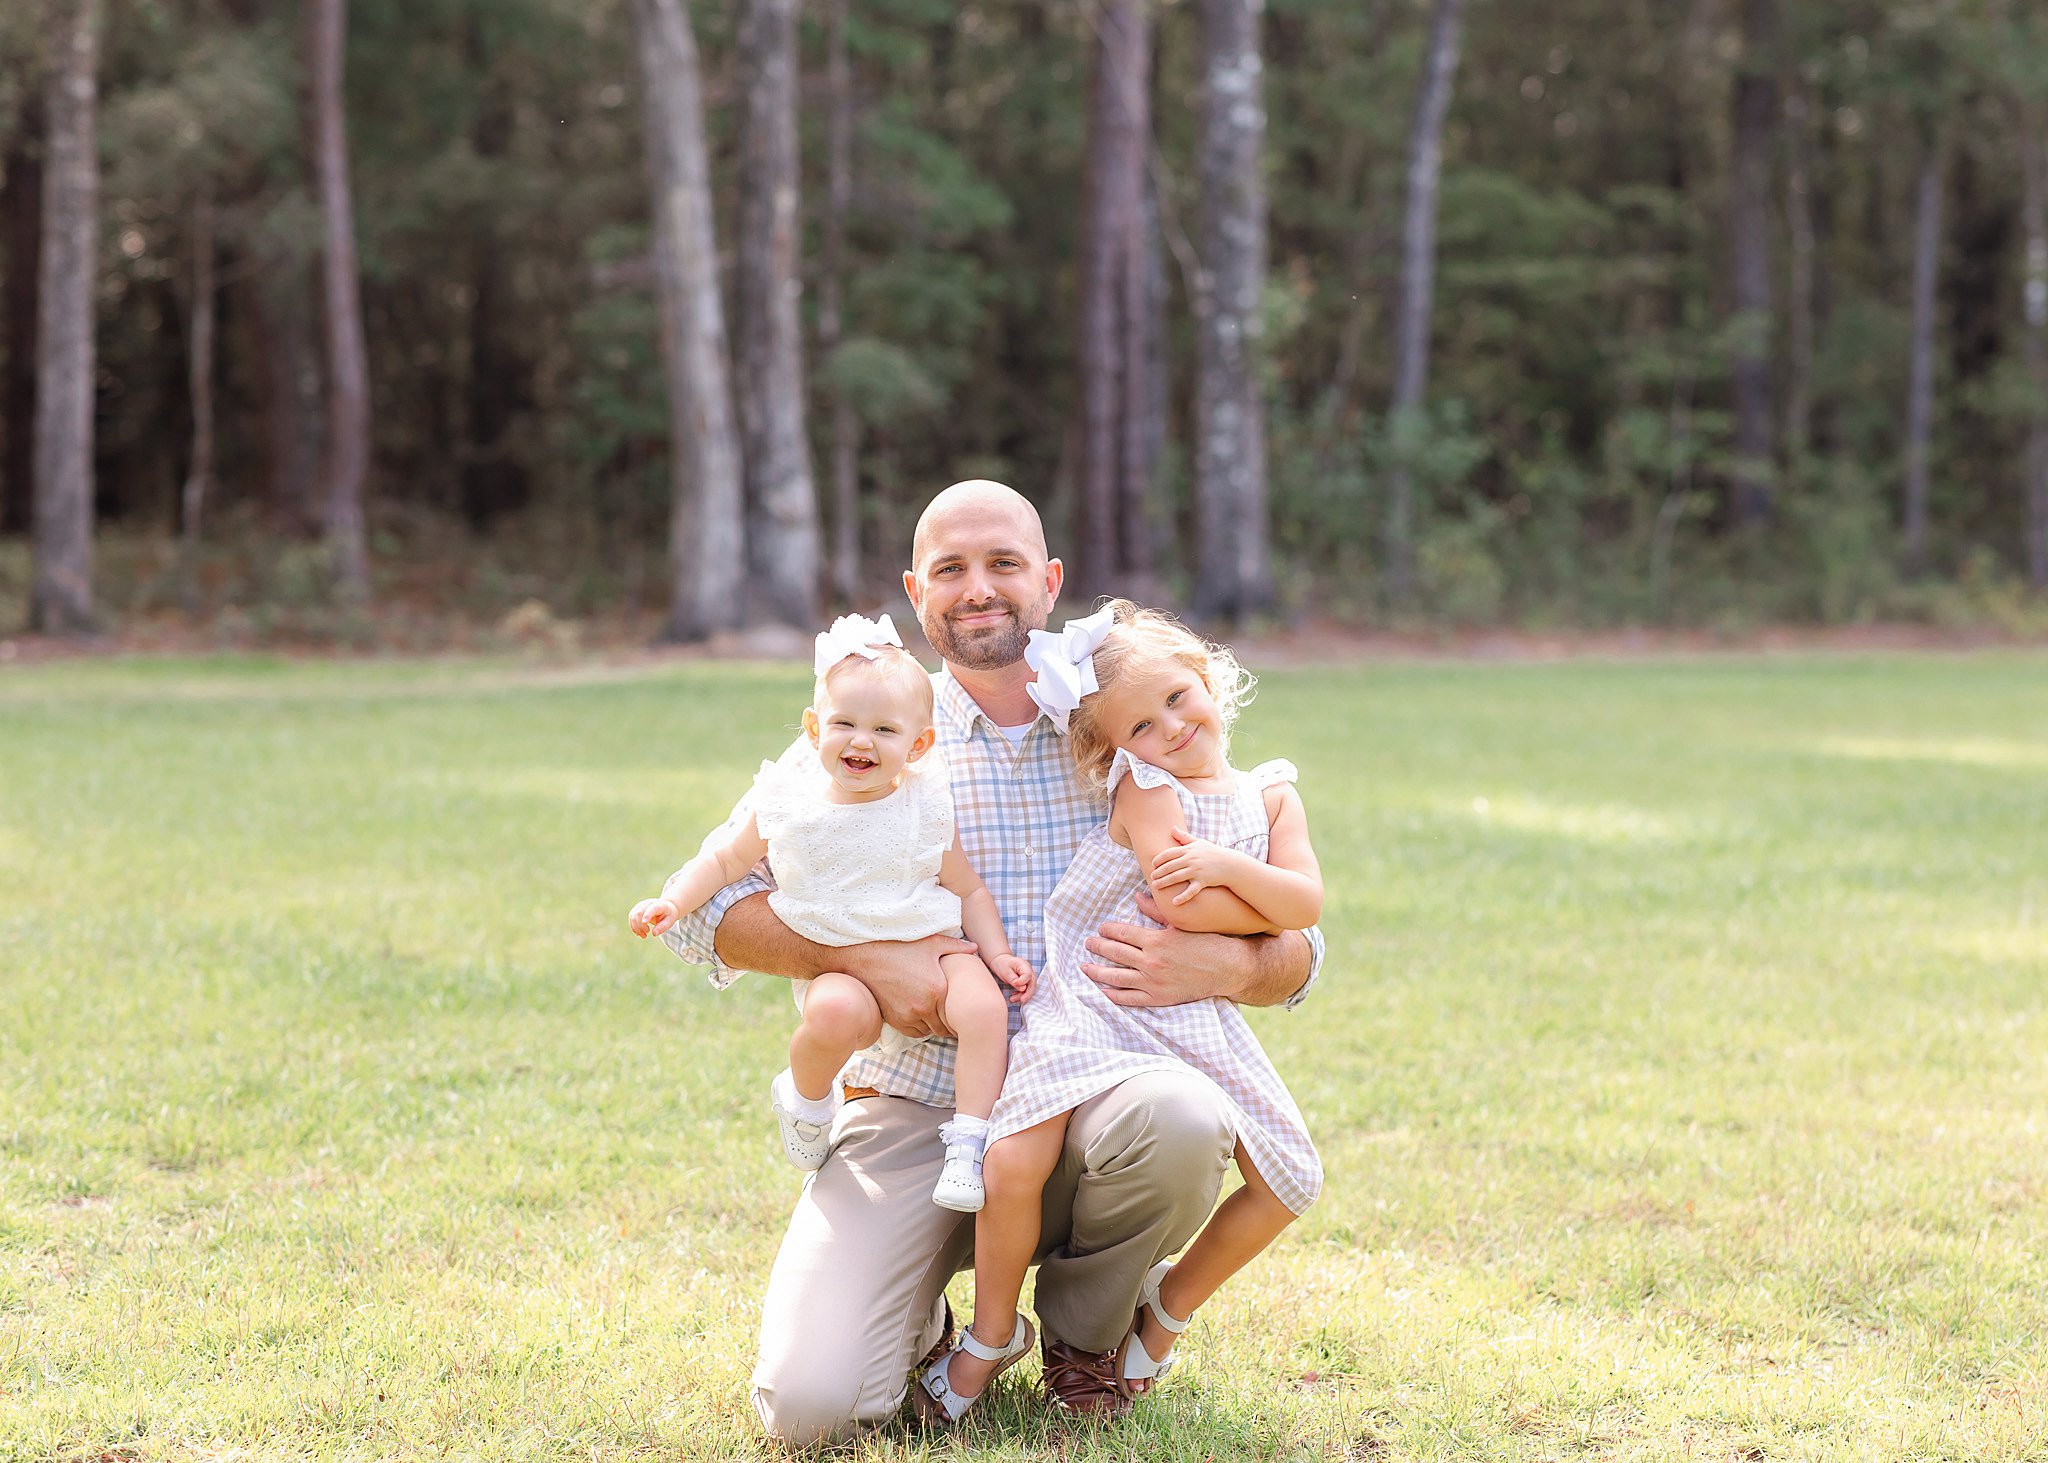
(977, 504)
(980, 578)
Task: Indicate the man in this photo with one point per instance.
(856, 1293)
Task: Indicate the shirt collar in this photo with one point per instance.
(961, 711)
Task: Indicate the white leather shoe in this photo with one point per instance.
(807, 1143)
(959, 1187)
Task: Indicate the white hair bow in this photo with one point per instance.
(853, 635)
(1065, 663)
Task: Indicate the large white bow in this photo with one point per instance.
(853, 635)
(1065, 663)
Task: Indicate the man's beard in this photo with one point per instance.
(985, 649)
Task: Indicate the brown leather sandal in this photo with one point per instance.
(1082, 1382)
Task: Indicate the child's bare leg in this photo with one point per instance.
(840, 1018)
(979, 1014)
(1005, 1234)
(1242, 1226)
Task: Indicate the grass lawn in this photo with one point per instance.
(1680, 1068)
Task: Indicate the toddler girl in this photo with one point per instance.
(1148, 709)
(859, 832)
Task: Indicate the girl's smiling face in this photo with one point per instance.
(1167, 716)
(867, 730)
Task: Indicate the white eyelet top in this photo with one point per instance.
(848, 873)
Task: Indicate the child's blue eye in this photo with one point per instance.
(1170, 700)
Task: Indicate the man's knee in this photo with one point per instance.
(801, 1405)
(1174, 1123)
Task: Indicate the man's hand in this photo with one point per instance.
(652, 917)
(1140, 966)
(1015, 972)
(905, 979)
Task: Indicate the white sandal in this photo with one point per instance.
(1133, 1362)
(934, 1399)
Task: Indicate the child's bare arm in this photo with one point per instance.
(720, 863)
(980, 922)
(1289, 884)
(1145, 820)
(1287, 887)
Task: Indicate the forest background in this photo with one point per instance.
(1607, 312)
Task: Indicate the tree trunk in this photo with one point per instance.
(2034, 336)
(348, 385)
(1355, 161)
(707, 537)
(781, 494)
(1230, 430)
(199, 379)
(21, 234)
(1135, 457)
(1920, 381)
(1799, 294)
(60, 602)
(279, 311)
(845, 451)
(494, 481)
(1418, 284)
(1152, 519)
(1111, 334)
(1756, 113)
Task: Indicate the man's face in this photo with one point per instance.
(983, 584)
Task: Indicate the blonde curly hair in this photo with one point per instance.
(1142, 641)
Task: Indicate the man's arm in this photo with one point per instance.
(903, 976)
(1139, 966)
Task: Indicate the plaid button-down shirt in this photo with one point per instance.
(1020, 812)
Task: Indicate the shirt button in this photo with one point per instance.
(1030, 852)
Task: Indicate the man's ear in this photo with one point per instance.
(923, 742)
(913, 590)
(1055, 576)
(811, 724)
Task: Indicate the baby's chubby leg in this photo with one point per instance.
(980, 1017)
(840, 1017)
(979, 1013)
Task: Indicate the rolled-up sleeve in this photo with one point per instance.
(1315, 968)
(694, 937)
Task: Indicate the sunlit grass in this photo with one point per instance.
(1680, 1068)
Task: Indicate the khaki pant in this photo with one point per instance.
(853, 1300)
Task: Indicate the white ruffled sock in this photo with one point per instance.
(817, 1110)
(965, 1131)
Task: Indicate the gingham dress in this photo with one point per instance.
(1077, 1043)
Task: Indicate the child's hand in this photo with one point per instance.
(1015, 972)
(652, 916)
(1195, 862)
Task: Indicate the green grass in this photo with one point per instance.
(1680, 1068)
